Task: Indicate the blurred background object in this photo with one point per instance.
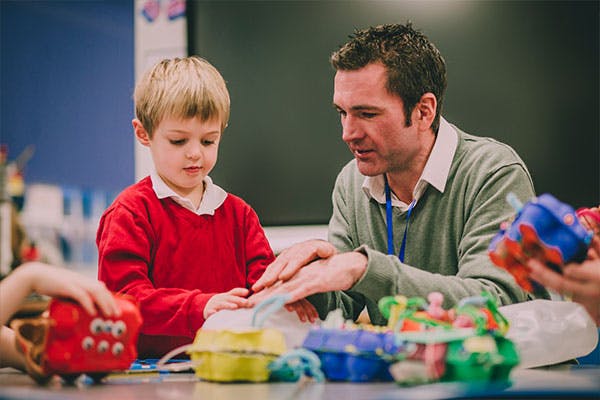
(523, 72)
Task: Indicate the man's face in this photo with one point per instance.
(373, 121)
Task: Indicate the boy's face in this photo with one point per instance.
(183, 151)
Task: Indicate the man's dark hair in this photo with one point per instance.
(414, 65)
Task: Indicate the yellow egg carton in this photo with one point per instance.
(236, 355)
(246, 354)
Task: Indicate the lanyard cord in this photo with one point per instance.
(388, 217)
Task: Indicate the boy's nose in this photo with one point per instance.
(193, 152)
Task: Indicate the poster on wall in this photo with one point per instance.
(160, 32)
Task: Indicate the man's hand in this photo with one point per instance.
(235, 298)
(287, 264)
(339, 272)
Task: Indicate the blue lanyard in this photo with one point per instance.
(390, 227)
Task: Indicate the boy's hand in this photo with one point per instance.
(235, 298)
(305, 310)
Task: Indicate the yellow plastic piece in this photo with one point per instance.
(227, 355)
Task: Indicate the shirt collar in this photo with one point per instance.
(213, 196)
(435, 172)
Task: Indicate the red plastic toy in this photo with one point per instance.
(67, 341)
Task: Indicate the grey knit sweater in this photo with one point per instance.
(448, 236)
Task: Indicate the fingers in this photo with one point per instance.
(104, 299)
(588, 271)
(309, 310)
(585, 280)
(81, 296)
(238, 292)
(594, 249)
(564, 284)
(544, 275)
(231, 300)
(291, 260)
(88, 292)
(301, 257)
(271, 274)
(304, 309)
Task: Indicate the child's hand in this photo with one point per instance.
(235, 298)
(581, 282)
(305, 310)
(54, 281)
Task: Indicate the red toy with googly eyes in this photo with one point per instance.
(67, 341)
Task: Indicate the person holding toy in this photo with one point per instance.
(578, 281)
(44, 279)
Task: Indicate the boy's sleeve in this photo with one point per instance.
(258, 250)
(125, 242)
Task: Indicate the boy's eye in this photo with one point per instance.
(208, 142)
(178, 142)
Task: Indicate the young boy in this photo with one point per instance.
(179, 244)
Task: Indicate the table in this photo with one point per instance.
(560, 382)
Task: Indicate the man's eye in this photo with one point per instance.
(367, 115)
(177, 142)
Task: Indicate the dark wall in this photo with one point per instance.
(525, 73)
(67, 76)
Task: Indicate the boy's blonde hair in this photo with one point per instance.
(181, 88)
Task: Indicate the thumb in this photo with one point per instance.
(325, 250)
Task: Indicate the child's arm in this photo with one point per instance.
(47, 280)
(56, 282)
(260, 256)
(9, 355)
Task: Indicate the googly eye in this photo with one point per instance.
(103, 346)
(87, 343)
(108, 326)
(96, 326)
(118, 329)
(118, 348)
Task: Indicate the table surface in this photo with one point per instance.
(565, 381)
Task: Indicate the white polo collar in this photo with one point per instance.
(212, 198)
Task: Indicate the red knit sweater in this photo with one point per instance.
(173, 261)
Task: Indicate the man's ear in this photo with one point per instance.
(140, 132)
(425, 111)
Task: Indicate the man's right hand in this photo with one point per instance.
(287, 264)
(339, 272)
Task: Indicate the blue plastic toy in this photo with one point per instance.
(354, 355)
(544, 228)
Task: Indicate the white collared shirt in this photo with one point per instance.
(212, 198)
(435, 172)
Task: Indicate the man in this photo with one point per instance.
(415, 210)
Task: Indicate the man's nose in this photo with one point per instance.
(350, 129)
